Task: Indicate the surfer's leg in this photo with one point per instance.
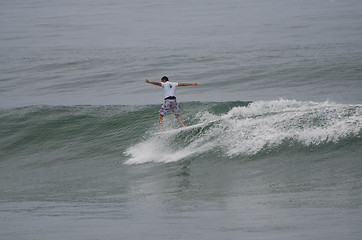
(180, 120)
(160, 121)
(164, 108)
(175, 110)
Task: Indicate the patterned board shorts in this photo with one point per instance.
(169, 104)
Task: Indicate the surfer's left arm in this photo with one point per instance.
(188, 84)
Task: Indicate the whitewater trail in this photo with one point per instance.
(245, 131)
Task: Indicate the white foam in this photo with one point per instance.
(154, 151)
(267, 124)
(261, 125)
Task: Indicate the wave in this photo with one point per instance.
(257, 127)
(47, 134)
(53, 134)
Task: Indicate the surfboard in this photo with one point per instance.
(186, 128)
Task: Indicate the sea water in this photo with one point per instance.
(279, 155)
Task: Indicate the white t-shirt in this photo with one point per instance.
(169, 88)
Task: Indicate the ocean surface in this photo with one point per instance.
(279, 155)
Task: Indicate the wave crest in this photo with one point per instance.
(248, 130)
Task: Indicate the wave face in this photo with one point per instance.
(47, 134)
(248, 129)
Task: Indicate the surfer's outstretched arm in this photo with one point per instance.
(154, 83)
(188, 84)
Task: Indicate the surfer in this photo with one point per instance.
(169, 92)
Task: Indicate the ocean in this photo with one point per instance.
(278, 155)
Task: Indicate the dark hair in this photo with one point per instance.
(164, 78)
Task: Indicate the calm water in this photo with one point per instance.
(280, 80)
(66, 53)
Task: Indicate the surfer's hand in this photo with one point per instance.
(195, 84)
(147, 81)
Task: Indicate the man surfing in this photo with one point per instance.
(169, 92)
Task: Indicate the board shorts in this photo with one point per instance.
(169, 104)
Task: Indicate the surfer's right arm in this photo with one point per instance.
(154, 83)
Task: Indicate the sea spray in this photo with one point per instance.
(248, 130)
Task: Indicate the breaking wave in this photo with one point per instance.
(252, 128)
